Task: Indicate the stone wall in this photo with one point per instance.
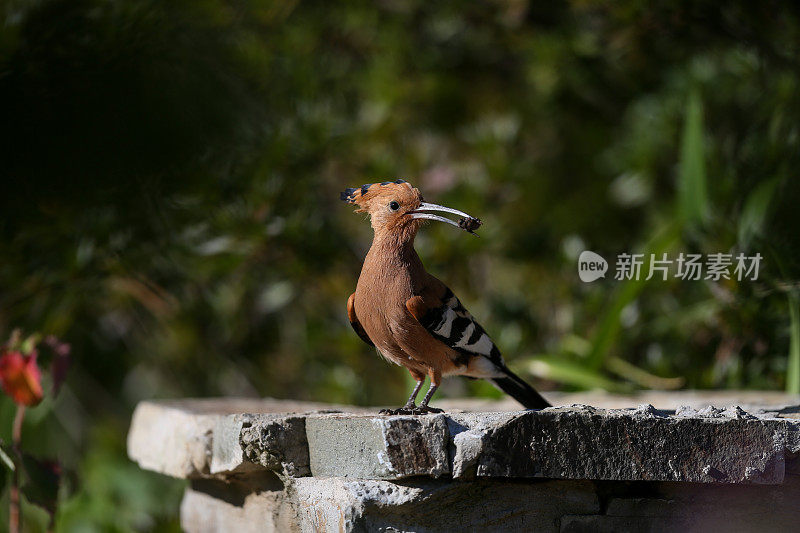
(273, 465)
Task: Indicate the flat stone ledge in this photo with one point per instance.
(222, 439)
(195, 438)
(642, 444)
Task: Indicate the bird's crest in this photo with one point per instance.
(360, 195)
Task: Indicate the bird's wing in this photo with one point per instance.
(351, 314)
(442, 314)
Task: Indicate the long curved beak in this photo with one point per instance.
(467, 223)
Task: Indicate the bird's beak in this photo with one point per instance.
(467, 223)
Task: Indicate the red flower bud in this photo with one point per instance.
(20, 377)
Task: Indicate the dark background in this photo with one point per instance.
(169, 203)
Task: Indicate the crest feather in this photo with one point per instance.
(357, 195)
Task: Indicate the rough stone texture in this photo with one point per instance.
(641, 444)
(336, 504)
(211, 437)
(276, 442)
(425, 505)
(469, 434)
(377, 447)
(243, 443)
(707, 445)
(429, 505)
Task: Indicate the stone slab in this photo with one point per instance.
(259, 504)
(196, 438)
(171, 440)
(377, 447)
(248, 442)
(224, 438)
(641, 444)
(347, 505)
(333, 505)
(206, 509)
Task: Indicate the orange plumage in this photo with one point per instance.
(411, 317)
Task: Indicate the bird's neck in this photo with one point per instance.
(392, 251)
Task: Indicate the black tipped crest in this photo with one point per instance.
(352, 195)
(348, 195)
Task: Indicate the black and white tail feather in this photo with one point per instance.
(452, 324)
(518, 389)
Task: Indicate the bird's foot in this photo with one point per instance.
(425, 410)
(411, 409)
(405, 410)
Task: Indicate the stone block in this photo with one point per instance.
(195, 438)
(275, 442)
(334, 505)
(170, 439)
(642, 444)
(377, 447)
(211, 506)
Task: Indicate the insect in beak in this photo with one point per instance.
(467, 223)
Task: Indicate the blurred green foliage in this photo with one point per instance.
(170, 179)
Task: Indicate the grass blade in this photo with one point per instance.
(793, 368)
(692, 189)
(755, 212)
(571, 373)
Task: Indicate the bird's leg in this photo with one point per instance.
(412, 400)
(411, 403)
(423, 408)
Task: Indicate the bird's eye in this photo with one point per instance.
(394, 206)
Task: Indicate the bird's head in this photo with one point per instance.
(397, 208)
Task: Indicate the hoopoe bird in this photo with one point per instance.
(411, 317)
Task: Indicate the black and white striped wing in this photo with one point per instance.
(447, 321)
(452, 324)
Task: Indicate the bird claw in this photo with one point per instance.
(410, 410)
(425, 410)
(406, 410)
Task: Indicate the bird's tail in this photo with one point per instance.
(514, 386)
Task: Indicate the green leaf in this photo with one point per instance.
(568, 372)
(755, 211)
(641, 377)
(692, 189)
(793, 364)
(793, 370)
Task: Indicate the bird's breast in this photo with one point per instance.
(380, 304)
